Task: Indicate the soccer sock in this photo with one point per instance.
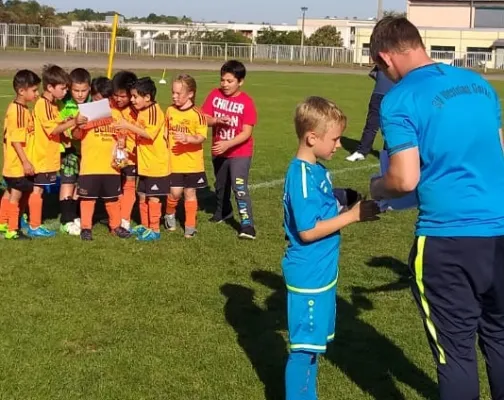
(13, 216)
(87, 210)
(154, 215)
(191, 208)
(67, 210)
(114, 213)
(76, 208)
(144, 213)
(35, 205)
(171, 205)
(127, 199)
(4, 210)
(301, 376)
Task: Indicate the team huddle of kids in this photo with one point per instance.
(139, 154)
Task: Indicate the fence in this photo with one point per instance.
(34, 38)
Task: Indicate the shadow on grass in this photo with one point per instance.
(366, 356)
(351, 146)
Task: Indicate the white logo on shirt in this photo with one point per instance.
(154, 187)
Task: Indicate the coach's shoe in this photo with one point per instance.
(247, 232)
(138, 230)
(23, 222)
(4, 228)
(356, 157)
(190, 232)
(16, 235)
(121, 233)
(86, 234)
(41, 232)
(149, 236)
(217, 220)
(170, 222)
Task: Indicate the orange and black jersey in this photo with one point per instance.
(45, 153)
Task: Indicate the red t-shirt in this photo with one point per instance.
(241, 111)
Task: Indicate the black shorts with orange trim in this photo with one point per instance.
(129, 171)
(45, 179)
(99, 187)
(23, 184)
(153, 186)
(195, 180)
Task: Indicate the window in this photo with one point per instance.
(489, 17)
(442, 52)
(478, 56)
(365, 50)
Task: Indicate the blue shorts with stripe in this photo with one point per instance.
(311, 320)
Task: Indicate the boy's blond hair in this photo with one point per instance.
(315, 113)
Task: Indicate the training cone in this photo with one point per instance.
(162, 82)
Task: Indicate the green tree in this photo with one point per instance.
(121, 31)
(270, 36)
(227, 36)
(394, 13)
(327, 36)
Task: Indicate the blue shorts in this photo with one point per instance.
(311, 320)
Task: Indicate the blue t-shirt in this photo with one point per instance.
(453, 116)
(308, 198)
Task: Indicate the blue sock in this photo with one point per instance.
(301, 376)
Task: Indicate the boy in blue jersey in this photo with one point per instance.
(312, 225)
(442, 131)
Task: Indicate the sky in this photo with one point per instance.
(285, 11)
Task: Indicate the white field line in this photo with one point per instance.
(277, 182)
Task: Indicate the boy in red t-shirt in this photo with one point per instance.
(232, 115)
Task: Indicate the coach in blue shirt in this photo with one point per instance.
(442, 131)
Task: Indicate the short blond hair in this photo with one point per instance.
(188, 81)
(315, 113)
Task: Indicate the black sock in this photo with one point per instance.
(76, 208)
(67, 211)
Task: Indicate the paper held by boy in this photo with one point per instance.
(401, 203)
(98, 113)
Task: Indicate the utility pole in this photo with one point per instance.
(303, 9)
(471, 4)
(379, 14)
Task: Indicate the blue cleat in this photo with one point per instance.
(40, 232)
(23, 222)
(138, 230)
(149, 236)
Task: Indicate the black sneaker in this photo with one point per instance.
(247, 232)
(217, 220)
(86, 234)
(121, 233)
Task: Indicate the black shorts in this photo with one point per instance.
(99, 186)
(153, 186)
(45, 179)
(23, 183)
(129, 171)
(195, 180)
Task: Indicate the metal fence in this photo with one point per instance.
(32, 37)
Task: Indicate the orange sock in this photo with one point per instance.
(171, 205)
(154, 215)
(35, 206)
(87, 210)
(144, 213)
(114, 212)
(191, 208)
(4, 210)
(13, 216)
(127, 199)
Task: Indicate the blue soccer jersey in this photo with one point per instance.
(308, 198)
(453, 116)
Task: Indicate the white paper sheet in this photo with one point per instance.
(400, 203)
(96, 110)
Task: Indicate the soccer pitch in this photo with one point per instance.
(205, 318)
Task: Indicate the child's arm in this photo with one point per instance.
(189, 139)
(62, 127)
(27, 165)
(123, 124)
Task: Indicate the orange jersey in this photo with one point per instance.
(45, 152)
(18, 128)
(185, 158)
(130, 114)
(97, 148)
(153, 152)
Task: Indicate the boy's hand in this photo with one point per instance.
(121, 124)
(28, 168)
(224, 120)
(220, 148)
(180, 137)
(80, 119)
(365, 210)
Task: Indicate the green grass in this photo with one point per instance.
(205, 318)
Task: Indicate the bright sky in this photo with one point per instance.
(284, 11)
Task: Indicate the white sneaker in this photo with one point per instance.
(77, 222)
(126, 225)
(73, 229)
(356, 157)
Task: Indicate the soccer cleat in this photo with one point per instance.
(170, 222)
(149, 236)
(138, 230)
(23, 222)
(40, 232)
(86, 234)
(126, 225)
(356, 157)
(121, 233)
(77, 222)
(217, 220)
(4, 228)
(70, 228)
(189, 232)
(247, 232)
(16, 235)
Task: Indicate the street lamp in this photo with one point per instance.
(303, 9)
(380, 10)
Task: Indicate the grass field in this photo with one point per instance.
(205, 318)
